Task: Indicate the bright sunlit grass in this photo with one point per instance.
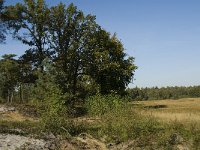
(187, 110)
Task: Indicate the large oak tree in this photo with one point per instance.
(83, 54)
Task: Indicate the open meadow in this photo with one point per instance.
(185, 110)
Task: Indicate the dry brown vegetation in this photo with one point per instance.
(13, 115)
(187, 109)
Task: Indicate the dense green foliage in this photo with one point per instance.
(9, 72)
(163, 93)
(84, 59)
(99, 105)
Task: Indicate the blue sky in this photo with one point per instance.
(163, 36)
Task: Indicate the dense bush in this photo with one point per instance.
(98, 105)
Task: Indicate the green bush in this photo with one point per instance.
(98, 105)
(55, 117)
(127, 124)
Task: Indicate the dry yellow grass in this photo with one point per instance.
(187, 110)
(15, 116)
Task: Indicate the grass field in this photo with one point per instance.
(187, 110)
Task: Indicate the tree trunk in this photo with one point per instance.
(11, 97)
(21, 93)
(75, 79)
(8, 97)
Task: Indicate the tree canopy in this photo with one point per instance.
(85, 58)
(28, 23)
(2, 24)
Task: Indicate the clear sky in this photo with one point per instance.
(163, 36)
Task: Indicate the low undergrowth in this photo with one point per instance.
(117, 123)
(19, 127)
(125, 125)
(121, 122)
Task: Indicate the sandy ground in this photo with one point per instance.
(13, 142)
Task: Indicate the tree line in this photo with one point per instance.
(156, 93)
(67, 49)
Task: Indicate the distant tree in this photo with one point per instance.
(156, 93)
(2, 83)
(9, 69)
(27, 75)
